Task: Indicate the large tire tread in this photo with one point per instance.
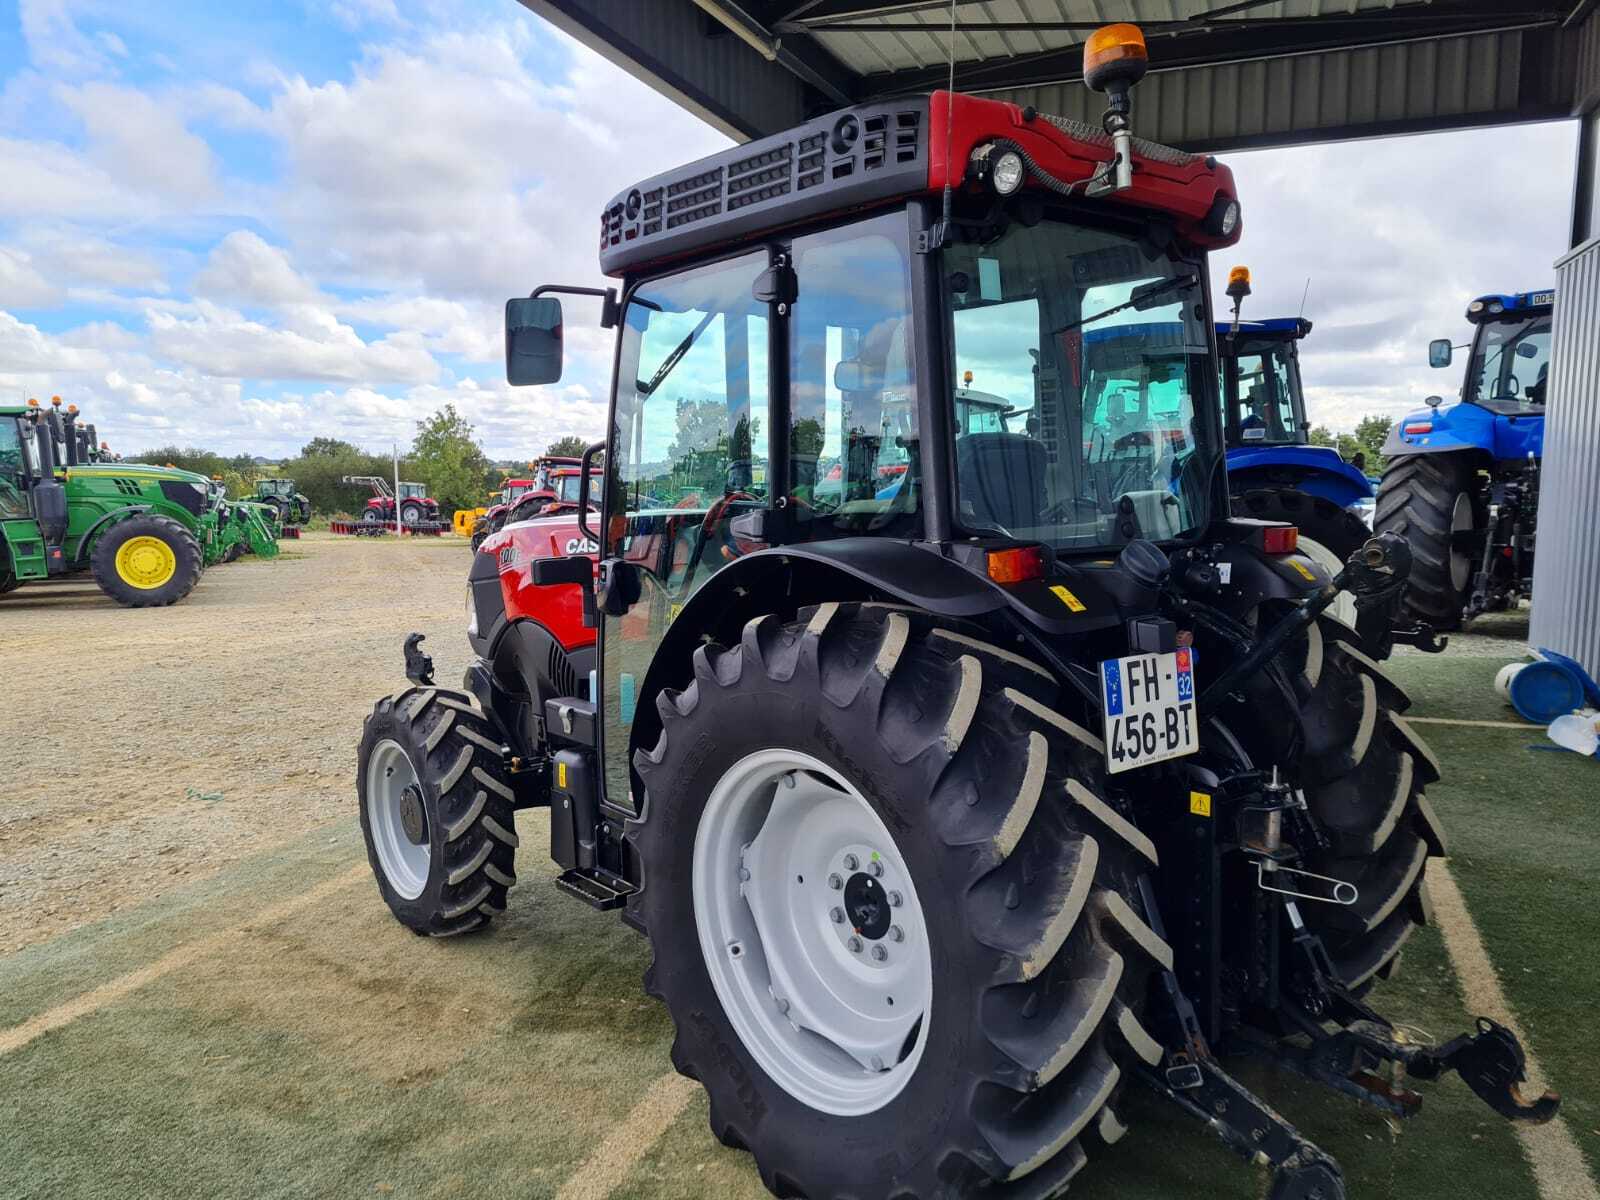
(469, 801)
(1364, 777)
(1063, 956)
(1416, 499)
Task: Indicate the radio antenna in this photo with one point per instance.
(949, 124)
(1303, 296)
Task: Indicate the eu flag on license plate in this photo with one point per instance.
(1113, 676)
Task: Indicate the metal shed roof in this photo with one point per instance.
(1225, 73)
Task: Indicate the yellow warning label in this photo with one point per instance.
(1303, 569)
(561, 774)
(673, 611)
(1066, 597)
(1200, 803)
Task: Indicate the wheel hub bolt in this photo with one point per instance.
(838, 915)
(896, 899)
(744, 875)
(835, 881)
(855, 945)
(783, 1006)
(896, 934)
(851, 862)
(879, 954)
(875, 869)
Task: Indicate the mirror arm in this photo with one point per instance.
(610, 310)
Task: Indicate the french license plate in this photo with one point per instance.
(1149, 705)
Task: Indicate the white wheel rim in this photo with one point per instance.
(825, 1005)
(1344, 608)
(1460, 522)
(404, 863)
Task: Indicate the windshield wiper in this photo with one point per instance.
(1142, 298)
(673, 359)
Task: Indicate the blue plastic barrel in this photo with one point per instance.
(1544, 690)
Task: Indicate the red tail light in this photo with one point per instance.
(1419, 427)
(1280, 539)
(1014, 566)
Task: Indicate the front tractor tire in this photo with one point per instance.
(146, 561)
(436, 811)
(1428, 499)
(893, 921)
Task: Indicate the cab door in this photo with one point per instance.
(689, 453)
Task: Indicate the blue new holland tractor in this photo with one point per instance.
(1274, 472)
(1462, 482)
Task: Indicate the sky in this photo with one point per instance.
(244, 225)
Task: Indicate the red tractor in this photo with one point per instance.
(954, 802)
(417, 508)
(559, 494)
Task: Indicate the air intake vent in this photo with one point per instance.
(563, 675)
(849, 158)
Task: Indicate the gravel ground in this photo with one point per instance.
(160, 745)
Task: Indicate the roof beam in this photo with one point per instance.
(677, 49)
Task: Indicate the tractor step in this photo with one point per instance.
(601, 892)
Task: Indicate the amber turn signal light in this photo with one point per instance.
(1016, 565)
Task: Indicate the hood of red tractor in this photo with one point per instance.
(559, 607)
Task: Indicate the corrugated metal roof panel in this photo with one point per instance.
(894, 48)
(1378, 89)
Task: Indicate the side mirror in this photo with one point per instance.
(533, 341)
(1439, 352)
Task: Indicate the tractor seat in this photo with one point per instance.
(1002, 478)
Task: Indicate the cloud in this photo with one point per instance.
(143, 143)
(22, 284)
(221, 342)
(244, 268)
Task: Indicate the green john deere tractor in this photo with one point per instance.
(143, 531)
(293, 507)
(242, 527)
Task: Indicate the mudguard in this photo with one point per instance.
(1467, 427)
(1316, 470)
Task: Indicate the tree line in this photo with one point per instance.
(445, 456)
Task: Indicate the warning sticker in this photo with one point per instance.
(1200, 803)
(1066, 597)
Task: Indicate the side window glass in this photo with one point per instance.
(853, 435)
(12, 501)
(1255, 397)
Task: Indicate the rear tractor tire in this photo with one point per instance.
(146, 561)
(436, 811)
(411, 515)
(893, 921)
(1363, 769)
(1427, 498)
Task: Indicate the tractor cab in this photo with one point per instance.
(1504, 391)
(1263, 403)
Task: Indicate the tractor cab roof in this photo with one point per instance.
(877, 153)
(1520, 304)
(1275, 328)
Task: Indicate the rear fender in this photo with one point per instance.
(1317, 470)
(793, 577)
